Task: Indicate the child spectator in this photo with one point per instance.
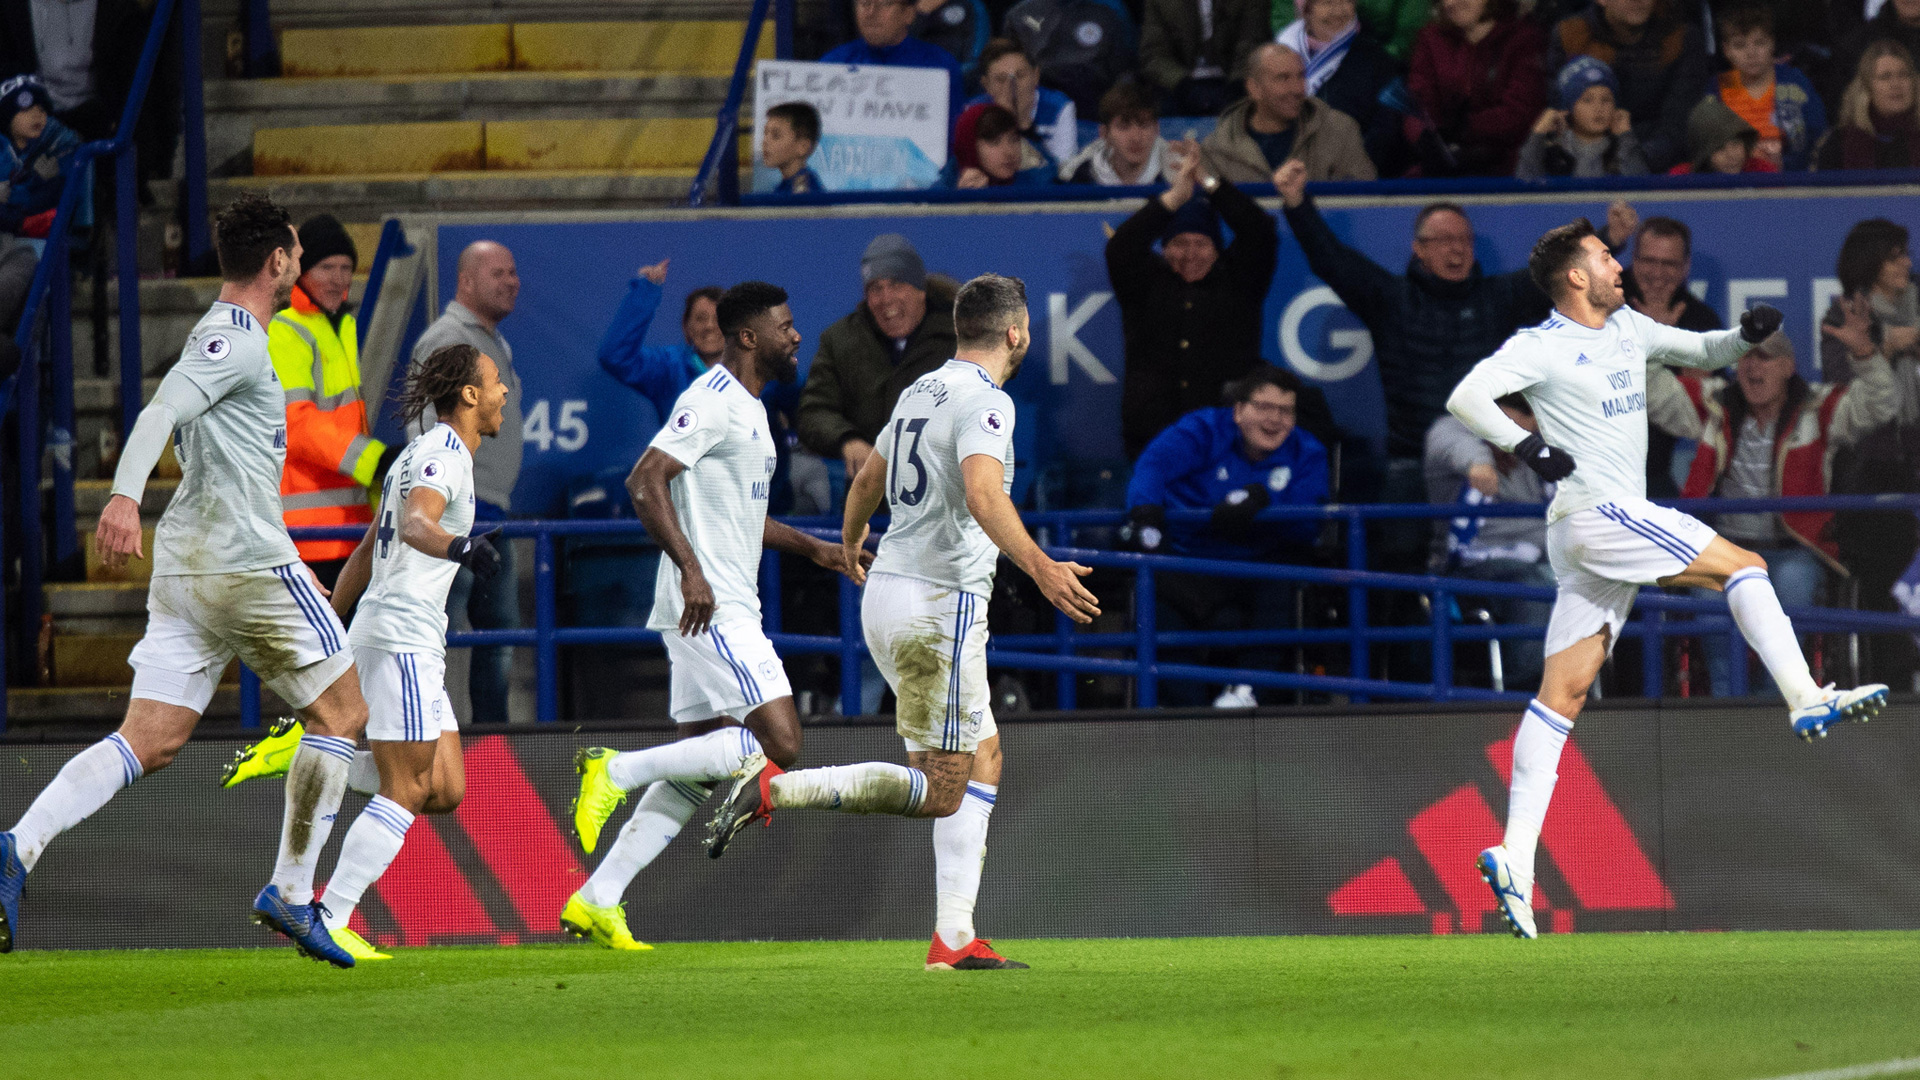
(1012, 81)
(1477, 74)
(1129, 149)
(792, 132)
(1776, 99)
(1586, 136)
(1657, 59)
(989, 151)
(39, 154)
(1879, 117)
(1719, 141)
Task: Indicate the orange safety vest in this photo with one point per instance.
(331, 458)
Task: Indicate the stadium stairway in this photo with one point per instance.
(393, 106)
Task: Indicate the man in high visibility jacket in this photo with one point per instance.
(332, 459)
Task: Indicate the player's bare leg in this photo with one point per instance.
(449, 783)
(416, 777)
(959, 855)
(1742, 576)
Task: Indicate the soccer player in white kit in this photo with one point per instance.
(701, 489)
(1584, 373)
(399, 575)
(226, 582)
(944, 463)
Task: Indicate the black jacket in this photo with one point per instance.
(1427, 333)
(1355, 89)
(1187, 341)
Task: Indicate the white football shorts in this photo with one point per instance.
(274, 620)
(1603, 555)
(730, 670)
(930, 641)
(406, 694)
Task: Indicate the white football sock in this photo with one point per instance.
(959, 851)
(1536, 765)
(1756, 611)
(366, 853)
(316, 782)
(871, 787)
(82, 786)
(663, 811)
(713, 756)
(363, 776)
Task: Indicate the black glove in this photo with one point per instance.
(1552, 463)
(1233, 516)
(477, 554)
(1145, 528)
(1758, 323)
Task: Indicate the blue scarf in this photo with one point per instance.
(1322, 64)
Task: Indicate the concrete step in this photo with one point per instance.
(134, 570)
(170, 307)
(92, 659)
(97, 709)
(90, 496)
(677, 143)
(369, 197)
(693, 47)
(98, 608)
(288, 14)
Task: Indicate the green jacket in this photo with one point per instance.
(1394, 23)
(854, 382)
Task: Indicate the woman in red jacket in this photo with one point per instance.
(1477, 75)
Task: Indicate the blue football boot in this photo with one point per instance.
(301, 923)
(13, 881)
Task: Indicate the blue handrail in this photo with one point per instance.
(1060, 650)
(722, 160)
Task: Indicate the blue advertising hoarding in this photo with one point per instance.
(1775, 247)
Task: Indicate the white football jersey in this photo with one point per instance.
(1588, 390)
(721, 434)
(225, 516)
(947, 416)
(405, 606)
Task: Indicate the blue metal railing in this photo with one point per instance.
(51, 296)
(1060, 650)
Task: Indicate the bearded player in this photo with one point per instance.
(1584, 373)
(944, 463)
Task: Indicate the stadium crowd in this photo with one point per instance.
(1401, 88)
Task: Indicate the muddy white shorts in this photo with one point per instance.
(406, 694)
(274, 620)
(730, 670)
(1601, 557)
(930, 641)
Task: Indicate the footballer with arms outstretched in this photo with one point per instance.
(1584, 373)
(399, 575)
(701, 489)
(944, 463)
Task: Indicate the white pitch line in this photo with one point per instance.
(1856, 1072)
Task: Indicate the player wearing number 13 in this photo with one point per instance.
(944, 462)
(1584, 373)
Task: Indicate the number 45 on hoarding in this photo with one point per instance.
(569, 433)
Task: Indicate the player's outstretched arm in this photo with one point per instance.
(354, 576)
(1714, 349)
(864, 495)
(780, 536)
(647, 485)
(988, 503)
(177, 401)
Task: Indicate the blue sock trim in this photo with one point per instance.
(916, 789)
(391, 814)
(129, 761)
(980, 792)
(1745, 574)
(333, 745)
(1550, 718)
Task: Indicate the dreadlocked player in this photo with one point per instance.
(400, 574)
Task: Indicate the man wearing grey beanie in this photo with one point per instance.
(902, 329)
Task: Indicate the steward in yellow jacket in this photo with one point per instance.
(332, 459)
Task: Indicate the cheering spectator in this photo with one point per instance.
(1656, 283)
(1393, 23)
(1347, 69)
(1129, 149)
(1279, 122)
(1775, 98)
(902, 329)
(1587, 135)
(792, 132)
(884, 41)
(1879, 116)
(1012, 81)
(1191, 314)
(1194, 52)
(1768, 433)
(1895, 20)
(1719, 141)
(1429, 325)
(1235, 461)
(1462, 468)
(989, 151)
(1476, 73)
(1657, 59)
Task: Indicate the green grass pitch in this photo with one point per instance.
(1595, 1005)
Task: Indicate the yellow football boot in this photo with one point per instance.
(599, 797)
(604, 926)
(271, 756)
(356, 946)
